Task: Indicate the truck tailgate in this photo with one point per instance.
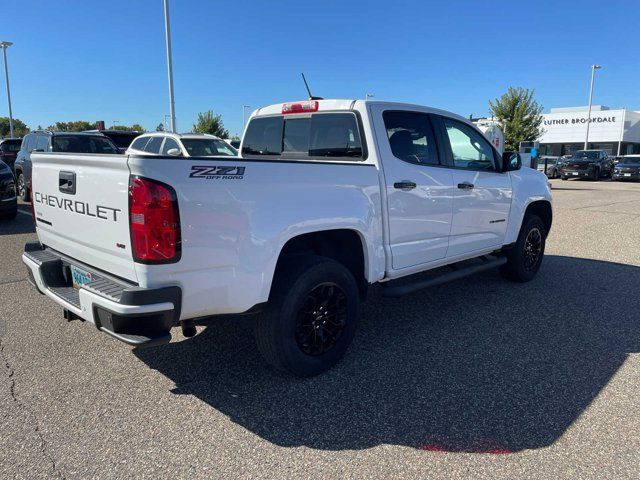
(81, 206)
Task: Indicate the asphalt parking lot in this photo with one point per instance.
(478, 378)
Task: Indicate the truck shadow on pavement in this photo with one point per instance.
(480, 365)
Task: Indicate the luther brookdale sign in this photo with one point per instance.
(577, 120)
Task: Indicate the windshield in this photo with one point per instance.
(631, 161)
(586, 154)
(208, 147)
(83, 144)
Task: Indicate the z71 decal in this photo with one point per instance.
(214, 173)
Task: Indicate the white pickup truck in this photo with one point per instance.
(327, 198)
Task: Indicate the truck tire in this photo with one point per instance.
(311, 316)
(23, 190)
(525, 258)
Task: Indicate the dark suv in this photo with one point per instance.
(9, 148)
(45, 141)
(122, 138)
(592, 164)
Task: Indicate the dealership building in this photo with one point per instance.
(565, 130)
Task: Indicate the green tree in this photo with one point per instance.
(520, 114)
(160, 127)
(76, 126)
(19, 128)
(135, 127)
(209, 123)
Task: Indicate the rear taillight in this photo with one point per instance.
(154, 221)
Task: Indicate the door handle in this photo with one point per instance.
(465, 186)
(405, 185)
(67, 182)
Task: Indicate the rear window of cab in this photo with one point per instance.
(317, 135)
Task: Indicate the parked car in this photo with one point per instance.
(593, 164)
(46, 141)
(328, 197)
(121, 138)
(9, 148)
(627, 169)
(8, 200)
(553, 170)
(181, 145)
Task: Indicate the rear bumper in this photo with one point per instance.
(134, 315)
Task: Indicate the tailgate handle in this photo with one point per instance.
(67, 182)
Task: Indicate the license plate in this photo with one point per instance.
(574, 173)
(80, 276)
(627, 174)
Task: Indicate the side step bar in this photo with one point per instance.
(457, 272)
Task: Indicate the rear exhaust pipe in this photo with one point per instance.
(188, 328)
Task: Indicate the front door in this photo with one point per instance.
(482, 198)
(419, 188)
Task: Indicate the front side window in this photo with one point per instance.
(470, 149)
(411, 137)
(154, 145)
(169, 143)
(29, 142)
(42, 143)
(206, 147)
(331, 135)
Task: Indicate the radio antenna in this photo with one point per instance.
(311, 97)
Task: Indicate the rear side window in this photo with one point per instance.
(411, 137)
(139, 143)
(154, 145)
(264, 136)
(331, 135)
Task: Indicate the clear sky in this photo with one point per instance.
(96, 60)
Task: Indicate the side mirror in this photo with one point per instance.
(174, 152)
(511, 161)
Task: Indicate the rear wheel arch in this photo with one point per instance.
(346, 246)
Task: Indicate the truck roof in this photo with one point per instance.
(351, 104)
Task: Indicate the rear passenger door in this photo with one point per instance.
(482, 194)
(419, 187)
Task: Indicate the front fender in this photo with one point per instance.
(528, 186)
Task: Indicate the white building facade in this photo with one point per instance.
(565, 130)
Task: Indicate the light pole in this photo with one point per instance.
(593, 74)
(4, 46)
(167, 31)
(244, 115)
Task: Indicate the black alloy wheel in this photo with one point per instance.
(321, 319)
(532, 249)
